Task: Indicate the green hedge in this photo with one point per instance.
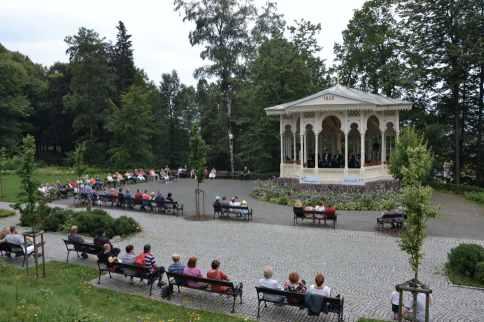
(88, 222)
(475, 196)
(467, 260)
(6, 213)
(456, 188)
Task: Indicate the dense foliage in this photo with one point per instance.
(467, 260)
(275, 193)
(427, 52)
(88, 222)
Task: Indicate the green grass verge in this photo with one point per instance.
(11, 182)
(6, 213)
(460, 279)
(65, 296)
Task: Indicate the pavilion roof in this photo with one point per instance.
(342, 97)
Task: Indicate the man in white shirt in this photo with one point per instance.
(269, 282)
(421, 298)
(17, 239)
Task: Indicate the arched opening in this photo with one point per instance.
(354, 149)
(331, 144)
(288, 144)
(309, 146)
(373, 142)
(390, 136)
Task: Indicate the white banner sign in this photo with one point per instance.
(310, 179)
(353, 181)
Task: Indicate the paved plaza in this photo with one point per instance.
(363, 266)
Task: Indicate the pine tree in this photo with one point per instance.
(122, 60)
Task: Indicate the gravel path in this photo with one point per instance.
(362, 266)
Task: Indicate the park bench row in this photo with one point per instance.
(237, 211)
(231, 289)
(315, 216)
(106, 200)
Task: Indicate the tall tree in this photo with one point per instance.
(370, 55)
(221, 26)
(132, 127)
(91, 90)
(122, 59)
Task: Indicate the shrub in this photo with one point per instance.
(124, 226)
(89, 222)
(463, 259)
(475, 196)
(6, 213)
(479, 272)
(56, 219)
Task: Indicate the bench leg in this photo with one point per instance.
(67, 260)
(99, 278)
(233, 304)
(258, 309)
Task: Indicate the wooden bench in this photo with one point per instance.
(300, 213)
(132, 271)
(87, 248)
(227, 210)
(15, 249)
(284, 298)
(174, 207)
(206, 285)
(396, 220)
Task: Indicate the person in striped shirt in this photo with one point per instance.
(150, 260)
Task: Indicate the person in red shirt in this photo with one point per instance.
(330, 211)
(216, 274)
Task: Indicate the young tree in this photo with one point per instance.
(29, 195)
(221, 26)
(198, 162)
(132, 128)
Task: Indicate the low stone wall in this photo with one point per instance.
(381, 186)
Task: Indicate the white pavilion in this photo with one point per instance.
(338, 136)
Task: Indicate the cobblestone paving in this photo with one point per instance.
(362, 266)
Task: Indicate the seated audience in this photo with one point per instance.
(128, 199)
(108, 256)
(295, 284)
(320, 208)
(319, 287)
(298, 204)
(176, 266)
(192, 270)
(138, 197)
(212, 174)
(217, 274)
(244, 211)
(146, 201)
(225, 202)
(129, 257)
(148, 260)
(330, 210)
(169, 198)
(18, 239)
(269, 282)
(235, 201)
(74, 237)
(160, 201)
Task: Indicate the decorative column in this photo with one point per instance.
(294, 147)
(316, 149)
(282, 148)
(346, 131)
(383, 148)
(362, 148)
(301, 152)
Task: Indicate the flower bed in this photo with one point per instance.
(272, 192)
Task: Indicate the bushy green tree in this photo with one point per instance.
(132, 128)
(410, 145)
(29, 195)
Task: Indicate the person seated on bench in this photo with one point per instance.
(108, 257)
(192, 270)
(160, 201)
(212, 174)
(319, 288)
(235, 202)
(320, 208)
(146, 197)
(295, 284)
(217, 274)
(269, 282)
(129, 257)
(121, 199)
(176, 266)
(17, 239)
(225, 202)
(128, 199)
(217, 205)
(169, 198)
(74, 237)
(138, 197)
(147, 259)
(330, 211)
(245, 211)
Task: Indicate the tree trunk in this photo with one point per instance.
(480, 148)
(457, 133)
(228, 104)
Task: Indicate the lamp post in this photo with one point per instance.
(231, 147)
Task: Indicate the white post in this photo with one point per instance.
(316, 149)
(346, 151)
(282, 148)
(305, 157)
(383, 148)
(294, 148)
(301, 152)
(362, 148)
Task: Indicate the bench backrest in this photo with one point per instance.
(180, 278)
(393, 216)
(235, 207)
(298, 212)
(13, 248)
(85, 247)
(292, 297)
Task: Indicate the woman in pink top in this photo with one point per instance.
(192, 270)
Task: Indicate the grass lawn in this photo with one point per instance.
(6, 213)
(11, 182)
(460, 279)
(65, 296)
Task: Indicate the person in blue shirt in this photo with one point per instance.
(176, 267)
